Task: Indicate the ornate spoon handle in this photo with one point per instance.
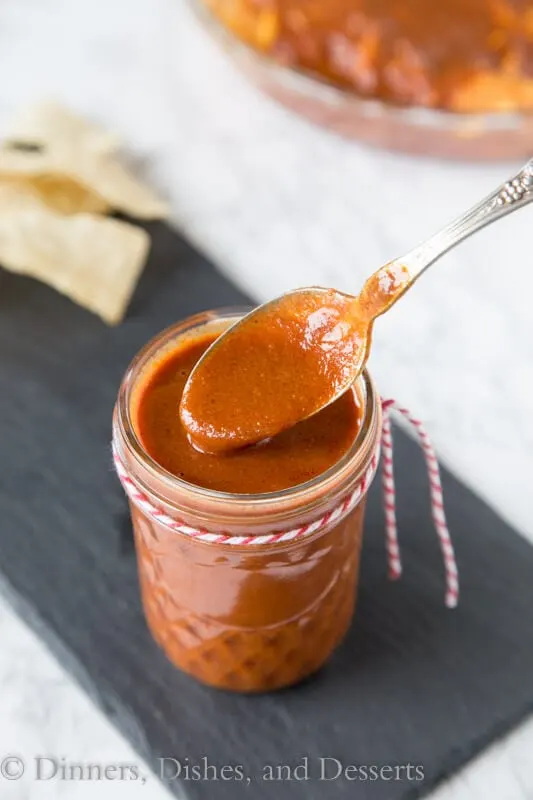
(515, 193)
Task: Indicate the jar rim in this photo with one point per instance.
(123, 423)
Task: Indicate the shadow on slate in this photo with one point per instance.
(412, 683)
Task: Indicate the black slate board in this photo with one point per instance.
(413, 682)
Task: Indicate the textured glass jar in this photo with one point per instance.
(250, 617)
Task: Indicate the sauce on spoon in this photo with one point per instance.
(294, 356)
(284, 362)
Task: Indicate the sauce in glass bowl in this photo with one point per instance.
(411, 95)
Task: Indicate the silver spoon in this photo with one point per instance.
(290, 358)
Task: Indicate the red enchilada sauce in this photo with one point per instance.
(285, 361)
(259, 617)
(293, 457)
(275, 368)
(248, 618)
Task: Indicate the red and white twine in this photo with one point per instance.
(329, 518)
(435, 492)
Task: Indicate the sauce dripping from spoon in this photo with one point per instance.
(284, 362)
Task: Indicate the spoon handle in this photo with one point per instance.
(513, 194)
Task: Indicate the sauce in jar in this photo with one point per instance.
(293, 457)
(265, 614)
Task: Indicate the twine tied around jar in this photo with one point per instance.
(344, 507)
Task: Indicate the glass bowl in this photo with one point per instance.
(418, 131)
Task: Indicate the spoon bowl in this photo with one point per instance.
(243, 389)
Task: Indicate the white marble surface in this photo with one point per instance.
(278, 204)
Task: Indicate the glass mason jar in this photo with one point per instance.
(250, 617)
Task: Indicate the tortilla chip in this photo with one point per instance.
(14, 198)
(51, 125)
(96, 261)
(47, 141)
(61, 194)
